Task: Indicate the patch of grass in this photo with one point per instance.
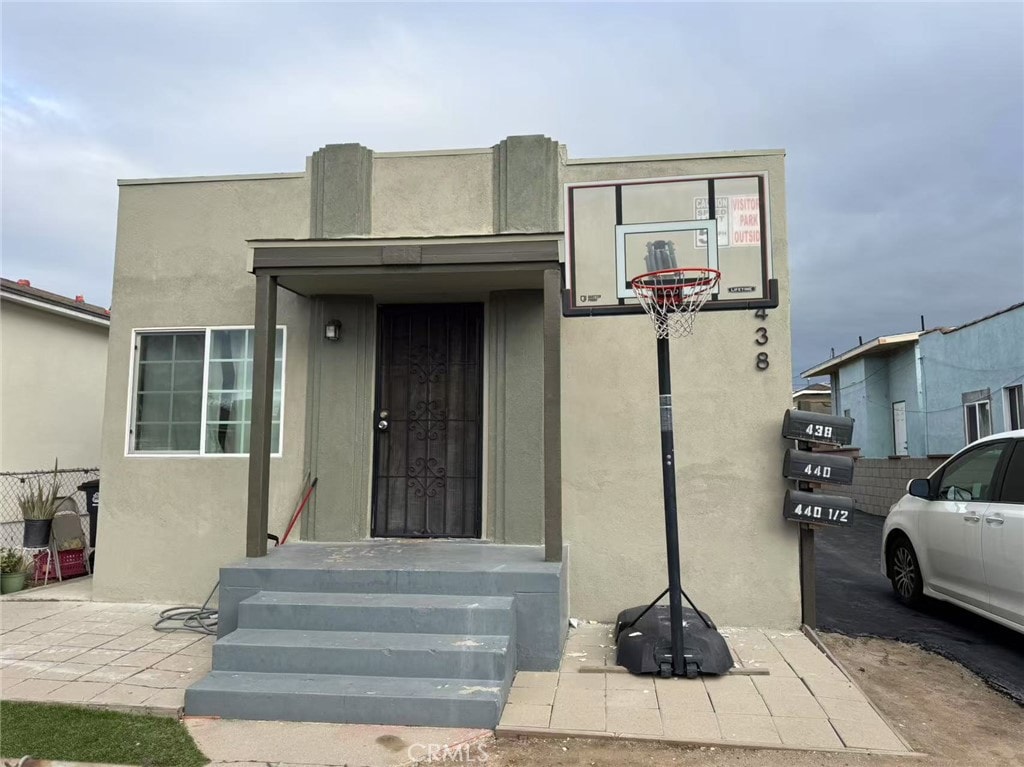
(87, 735)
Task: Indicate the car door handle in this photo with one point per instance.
(971, 518)
(995, 519)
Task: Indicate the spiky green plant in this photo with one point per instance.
(38, 501)
(12, 561)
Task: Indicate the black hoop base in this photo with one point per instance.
(644, 643)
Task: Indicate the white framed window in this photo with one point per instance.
(191, 391)
(977, 420)
(1014, 396)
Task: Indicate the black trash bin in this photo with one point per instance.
(92, 505)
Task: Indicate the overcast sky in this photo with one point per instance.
(904, 124)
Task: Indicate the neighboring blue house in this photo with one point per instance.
(932, 392)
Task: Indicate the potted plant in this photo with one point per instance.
(13, 569)
(38, 505)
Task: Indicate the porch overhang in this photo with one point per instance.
(407, 265)
(452, 266)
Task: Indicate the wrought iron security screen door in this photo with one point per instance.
(428, 456)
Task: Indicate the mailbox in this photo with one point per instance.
(818, 509)
(805, 466)
(826, 429)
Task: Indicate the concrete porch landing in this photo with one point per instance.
(805, 702)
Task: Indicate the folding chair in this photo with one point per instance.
(68, 538)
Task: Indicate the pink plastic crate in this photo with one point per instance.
(72, 564)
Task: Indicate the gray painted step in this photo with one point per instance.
(393, 613)
(354, 699)
(450, 656)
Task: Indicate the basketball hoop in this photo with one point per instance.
(651, 639)
(672, 297)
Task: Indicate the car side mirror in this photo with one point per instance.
(920, 488)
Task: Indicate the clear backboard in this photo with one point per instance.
(617, 230)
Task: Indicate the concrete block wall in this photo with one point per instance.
(879, 482)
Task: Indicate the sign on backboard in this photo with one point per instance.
(617, 230)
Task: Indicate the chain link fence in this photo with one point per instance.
(14, 484)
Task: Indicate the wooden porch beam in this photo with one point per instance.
(552, 415)
(264, 344)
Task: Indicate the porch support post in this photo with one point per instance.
(262, 414)
(552, 415)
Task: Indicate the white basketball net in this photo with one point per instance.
(673, 297)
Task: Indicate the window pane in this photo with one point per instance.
(152, 436)
(155, 376)
(188, 376)
(229, 402)
(189, 346)
(984, 420)
(227, 406)
(168, 392)
(186, 406)
(969, 478)
(971, 419)
(228, 345)
(1013, 484)
(224, 374)
(154, 407)
(156, 346)
(224, 438)
(185, 436)
(1015, 397)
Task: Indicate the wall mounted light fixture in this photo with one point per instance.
(332, 330)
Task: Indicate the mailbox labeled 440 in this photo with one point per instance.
(805, 466)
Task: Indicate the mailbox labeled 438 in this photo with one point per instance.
(822, 428)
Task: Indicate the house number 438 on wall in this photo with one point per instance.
(761, 339)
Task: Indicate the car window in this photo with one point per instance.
(969, 478)
(1013, 485)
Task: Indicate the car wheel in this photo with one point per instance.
(904, 571)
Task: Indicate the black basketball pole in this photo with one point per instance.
(668, 478)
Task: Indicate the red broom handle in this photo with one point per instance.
(298, 511)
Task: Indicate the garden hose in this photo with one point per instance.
(201, 620)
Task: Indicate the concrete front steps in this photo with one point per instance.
(412, 659)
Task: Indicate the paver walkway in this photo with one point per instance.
(96, 654)
(103, 654)
(805, 701)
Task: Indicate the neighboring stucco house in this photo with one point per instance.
(815, 398)
(404, 340)
(53, 354)
(929, 393)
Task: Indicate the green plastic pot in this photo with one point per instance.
(11, 582)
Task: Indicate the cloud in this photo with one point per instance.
(903, 122)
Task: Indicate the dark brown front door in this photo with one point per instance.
(428, 421)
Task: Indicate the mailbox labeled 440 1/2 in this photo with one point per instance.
(818, 509)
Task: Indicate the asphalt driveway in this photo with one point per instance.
(855, 599)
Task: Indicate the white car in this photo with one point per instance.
(958, 535)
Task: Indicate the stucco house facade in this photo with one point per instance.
(53, 357)
(392, 324)
(930, 393)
